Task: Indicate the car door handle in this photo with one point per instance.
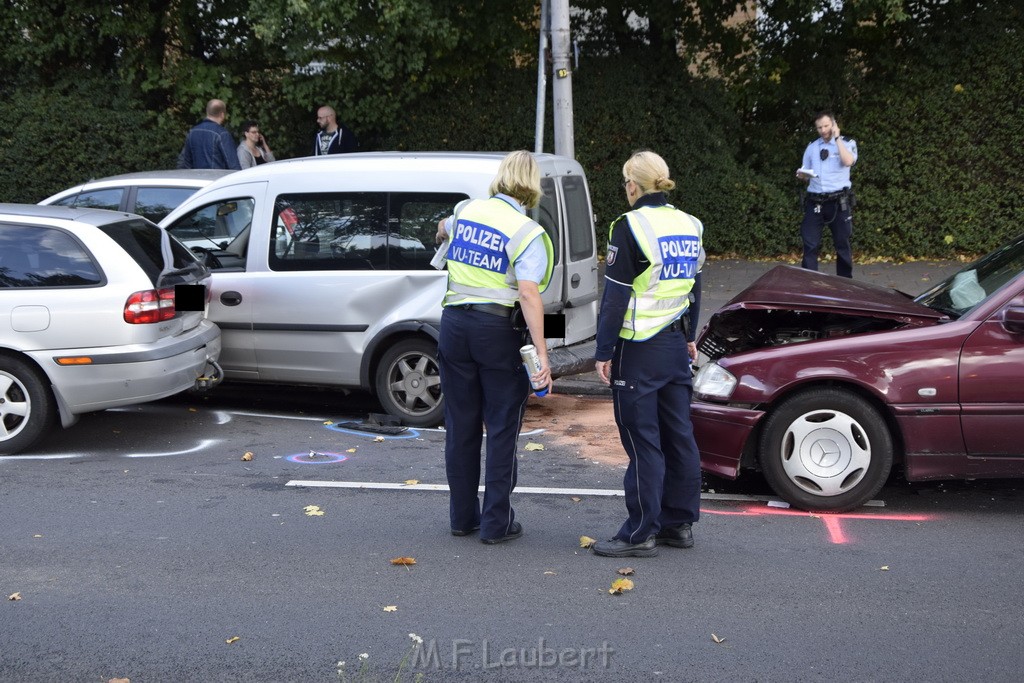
(231, 298)
(575, 280)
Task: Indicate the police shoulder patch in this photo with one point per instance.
(612, 253)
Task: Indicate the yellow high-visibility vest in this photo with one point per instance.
(487, 237)
(671, 240)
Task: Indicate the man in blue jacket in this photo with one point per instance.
(209, 144)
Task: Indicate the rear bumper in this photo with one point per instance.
(126, 375)
(723, 433)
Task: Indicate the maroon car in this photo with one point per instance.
(824, 383)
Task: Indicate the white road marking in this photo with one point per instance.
(309, 483)
(198, 447)
(279, 416)
(15, 458)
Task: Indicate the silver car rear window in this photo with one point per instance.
(142, 240)
(39, 256)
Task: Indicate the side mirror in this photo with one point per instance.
(1013, 319)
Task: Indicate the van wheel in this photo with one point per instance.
(27, 408)
(409, 383)
(826, 449)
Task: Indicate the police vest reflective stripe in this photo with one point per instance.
(488, 236)
(672, 242)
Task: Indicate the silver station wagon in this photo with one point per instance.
(97, 310)
(151, 194)
(322, 275)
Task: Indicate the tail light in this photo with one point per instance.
(150, 306)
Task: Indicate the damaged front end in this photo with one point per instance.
(741, 329)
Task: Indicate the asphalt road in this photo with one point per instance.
(140, 543)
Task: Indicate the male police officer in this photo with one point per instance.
(826, 164)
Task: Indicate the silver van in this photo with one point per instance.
(322, 276)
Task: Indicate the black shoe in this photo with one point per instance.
(514, 531)
(678, 537)
(617, 548)
(465, 532)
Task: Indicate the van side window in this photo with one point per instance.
(414, 219)
(547, 214)
(330, 232)
(577, 209)
(214, 226)
(357, 230)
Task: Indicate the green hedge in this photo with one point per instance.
(54, 137)
(618, 110)
(939, 173)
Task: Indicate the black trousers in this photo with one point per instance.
(484, 384)
(840, 221)
(651, 388)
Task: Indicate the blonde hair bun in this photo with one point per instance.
(649, 171)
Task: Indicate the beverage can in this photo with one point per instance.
(531, 361)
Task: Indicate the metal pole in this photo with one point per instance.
(561, 88)
(542, 80)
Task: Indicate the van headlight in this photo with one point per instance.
(714, 381)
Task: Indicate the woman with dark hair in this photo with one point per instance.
(253, 150)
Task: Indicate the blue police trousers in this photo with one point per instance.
(840, 222)
(651, 388)
(484, 384)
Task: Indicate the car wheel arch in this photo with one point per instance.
(827, 448)
(877, 402)
(388, 337)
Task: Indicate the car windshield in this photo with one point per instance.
(976, 282)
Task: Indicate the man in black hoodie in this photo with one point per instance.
(333, 137)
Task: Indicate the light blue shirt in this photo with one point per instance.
(532, 264)
(832, 175)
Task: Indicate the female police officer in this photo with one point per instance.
(496, 257)
(655, 253)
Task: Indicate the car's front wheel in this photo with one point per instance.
(409, 383)
(826, 449)
(27, 408)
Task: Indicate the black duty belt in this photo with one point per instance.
(817, 197)
(493, 309)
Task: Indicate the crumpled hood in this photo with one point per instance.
(791, 288)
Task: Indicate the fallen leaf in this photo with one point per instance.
(378, 439)
(232, 639)
(619, 585)
(885, 568)
(531, 446)
(351, 450)
(391, 608)
(626, 571)
(328, 422)
(549, 574)
(717, 639)
(247, 456)
(403, 561)
(193, 410)
(412, 482)
(313, 511)
(14, 596)
(587, 541)
(120, 680)
(575, 499)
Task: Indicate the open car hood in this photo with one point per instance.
(791, 288)
(789, 305)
